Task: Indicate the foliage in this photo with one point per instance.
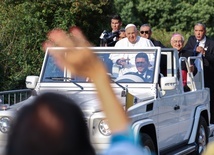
(24, 24)
(165, 36)
(169, 15)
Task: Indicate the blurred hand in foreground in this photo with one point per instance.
(80, 61)
(83, 62)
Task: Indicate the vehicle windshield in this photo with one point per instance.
(122, 66)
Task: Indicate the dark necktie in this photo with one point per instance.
(196, 45)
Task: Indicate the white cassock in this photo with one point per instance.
(130, 66)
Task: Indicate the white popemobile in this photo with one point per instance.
(164, 118)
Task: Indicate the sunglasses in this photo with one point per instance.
(139, 63)
(146, 32)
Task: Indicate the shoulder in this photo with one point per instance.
(121, 42)
(143, 39)
(192, 37)
(208, 39)
(157, 43)
(149, 71)
(126, 148)
(190, 43)
(209, 44)
(123, 143)
(145, 42)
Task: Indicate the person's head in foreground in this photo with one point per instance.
(142, 62)
(52, 125)
(177, 41)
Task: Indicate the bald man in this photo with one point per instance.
(177, 42)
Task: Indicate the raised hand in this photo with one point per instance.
(80, 61)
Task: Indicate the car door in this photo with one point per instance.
(191, 99)
(169, 106)
(168, 121)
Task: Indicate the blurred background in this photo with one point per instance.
(25, 23)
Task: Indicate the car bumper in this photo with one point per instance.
(100, 148)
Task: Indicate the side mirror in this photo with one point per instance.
(31, 81)
(168, 83)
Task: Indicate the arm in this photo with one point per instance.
(209, 51)
(118, 121)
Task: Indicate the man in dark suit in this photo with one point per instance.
(146, 32)
(203, 46)
(142, 64)
(110, 38)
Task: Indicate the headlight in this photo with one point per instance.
(5, 124)
(4, 106)
(104, 128)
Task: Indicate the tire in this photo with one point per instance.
(148, 144)
(201, 139)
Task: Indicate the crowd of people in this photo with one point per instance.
(55, 124)
(198, 44)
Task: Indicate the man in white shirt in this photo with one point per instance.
(127, 61)
(132, 39)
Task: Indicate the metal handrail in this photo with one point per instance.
(14, 96)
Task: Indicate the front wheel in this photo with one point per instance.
(201, 137)
(148, 144)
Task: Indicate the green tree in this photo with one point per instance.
(168, 16)
(24, 25)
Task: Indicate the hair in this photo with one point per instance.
(131, 25)
(122, 30)
(142, 55)
(177, 34)
(201, 24)
(117, 17)
(147, 25)
(51, 125)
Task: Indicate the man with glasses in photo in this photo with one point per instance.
(142, 64)
(146, 32)
(127, 61)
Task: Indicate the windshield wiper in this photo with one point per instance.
(65, 78)
(117, 83)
